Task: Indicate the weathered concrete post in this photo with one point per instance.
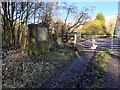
(38, 39)
(75, 38)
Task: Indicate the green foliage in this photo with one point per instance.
(100, 61)
(100, 17)
(94, 27)
(58, 54)
(96, 73)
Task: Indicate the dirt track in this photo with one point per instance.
(72, 74)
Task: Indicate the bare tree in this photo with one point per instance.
(79, 17)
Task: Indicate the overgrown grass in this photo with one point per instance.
(99, 64)
(35, 71)
(95, 77)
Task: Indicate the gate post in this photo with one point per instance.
(75, 38)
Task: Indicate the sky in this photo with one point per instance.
(107, 8)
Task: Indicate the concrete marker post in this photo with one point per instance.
(75, 38)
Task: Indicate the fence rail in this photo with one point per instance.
(99, 43)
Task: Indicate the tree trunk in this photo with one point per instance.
(26, 30)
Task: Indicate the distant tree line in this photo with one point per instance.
(17, 15)
(95, 27)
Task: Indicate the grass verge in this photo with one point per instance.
(95, 77)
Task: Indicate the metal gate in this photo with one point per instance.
(104, 43)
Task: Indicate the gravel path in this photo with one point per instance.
(72, 74)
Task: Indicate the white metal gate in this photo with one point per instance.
(99, 43)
